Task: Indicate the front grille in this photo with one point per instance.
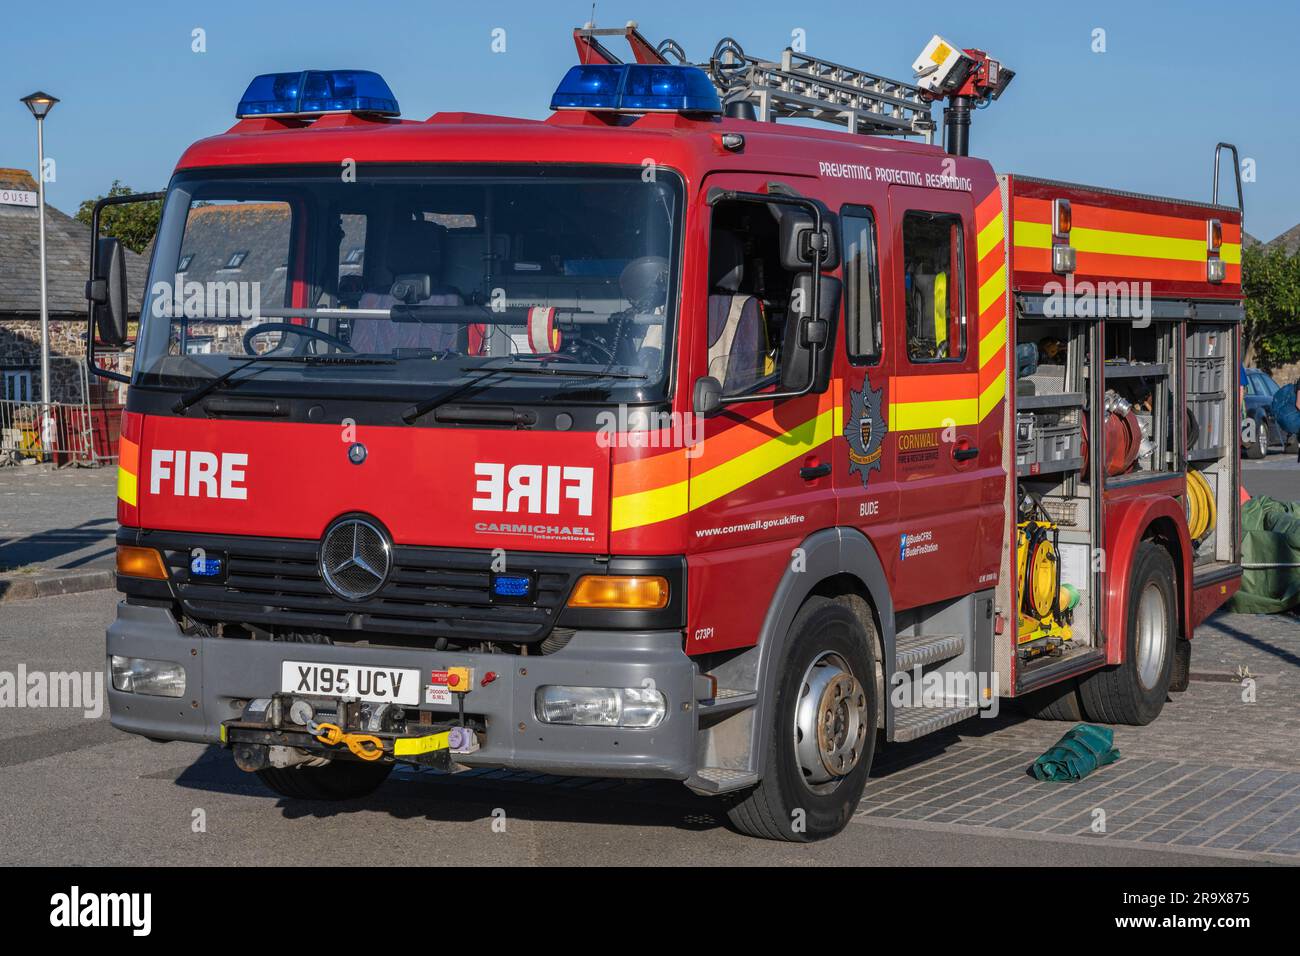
(431, 592)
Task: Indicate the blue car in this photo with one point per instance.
(1257, 438)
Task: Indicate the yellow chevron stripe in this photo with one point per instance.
(127, 486)
(993, 394)
(993, 343)
(992, 288)
(988, 237)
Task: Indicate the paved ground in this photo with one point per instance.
(1277, 476)
(57, 518)
(1215, 780)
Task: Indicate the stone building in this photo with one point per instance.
(67, 250)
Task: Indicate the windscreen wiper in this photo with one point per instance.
(422, 408)
(199, 392)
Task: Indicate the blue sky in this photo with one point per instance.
(1144, 115)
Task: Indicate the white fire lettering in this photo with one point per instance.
(198, 474)
(533, 489)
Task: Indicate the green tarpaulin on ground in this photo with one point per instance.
(1077, 754)
(1270, 541)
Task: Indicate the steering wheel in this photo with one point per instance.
(306, 330)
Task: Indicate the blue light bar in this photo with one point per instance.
(637, 88)
(313, 92)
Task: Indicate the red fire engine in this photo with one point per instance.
(659, 438)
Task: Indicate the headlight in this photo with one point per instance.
(600, 706)
(138, 675)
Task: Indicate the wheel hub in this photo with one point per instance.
(831, 721)
(1152, 635)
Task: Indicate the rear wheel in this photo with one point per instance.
(335, 780)
(1134, 692)
(823, 730)
(1059, 702)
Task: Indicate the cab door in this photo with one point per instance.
(933, 395)
(868, 493)
(763, 477)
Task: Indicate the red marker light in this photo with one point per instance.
(488, 678)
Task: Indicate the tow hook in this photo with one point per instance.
(365, 746)
(284, 731)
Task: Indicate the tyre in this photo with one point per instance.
(336, 780)
(822, 729)
(1257, 447)
(1059, 702)
(1134, 692)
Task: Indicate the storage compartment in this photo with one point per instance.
(1048, 440)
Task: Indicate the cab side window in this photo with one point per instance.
(861, 286)
(934, 287)
(749, 297)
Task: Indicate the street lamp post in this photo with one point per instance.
(40, 104)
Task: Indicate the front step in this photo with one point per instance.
(918, 650)
(721, 780)
(913, 723)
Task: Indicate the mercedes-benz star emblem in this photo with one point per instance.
(355, 558)
(356, 453)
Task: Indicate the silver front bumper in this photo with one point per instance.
(223, 674)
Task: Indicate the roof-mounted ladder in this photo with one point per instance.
(804, 87)
(798, 87)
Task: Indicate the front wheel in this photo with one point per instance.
(822, 730)
(1134, 692)
(336, 780)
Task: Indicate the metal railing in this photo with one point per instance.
(76, 431)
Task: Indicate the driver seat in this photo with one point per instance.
(737, 339)
(413, 263)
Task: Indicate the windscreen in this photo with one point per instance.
(530, 283)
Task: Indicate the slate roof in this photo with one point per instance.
(1289, 241)
(67, 255)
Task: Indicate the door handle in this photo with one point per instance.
(815, 471)
(965, 454)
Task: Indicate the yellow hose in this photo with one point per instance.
(1200, 505)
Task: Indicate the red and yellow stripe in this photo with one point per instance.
(1124, 244)
(128, 471)
(668, 485)
(941, 399)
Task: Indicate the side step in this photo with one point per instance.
(727, 700)
(918, 650)
(913, 723)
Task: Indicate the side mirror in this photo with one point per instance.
(708, 396)
(798, 239)
(107, 294)
(807, 334)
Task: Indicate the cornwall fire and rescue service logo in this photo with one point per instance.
(864, 430)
